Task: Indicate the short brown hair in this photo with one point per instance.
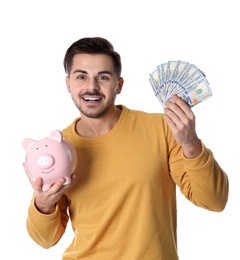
(92, 45)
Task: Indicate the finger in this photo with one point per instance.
(173, 114)
(36, 184)
(170, 122)
(64, 187)
(182, 104)
(178, 111)
(60, 186)
(175, 107)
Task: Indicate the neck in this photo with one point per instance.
(95, 127)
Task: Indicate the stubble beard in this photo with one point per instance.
(95, 112)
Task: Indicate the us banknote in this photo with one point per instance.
(182, 79)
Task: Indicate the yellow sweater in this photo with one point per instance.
(123, 204)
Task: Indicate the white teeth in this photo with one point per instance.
(92, 99)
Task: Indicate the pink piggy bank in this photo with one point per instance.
(49, 158)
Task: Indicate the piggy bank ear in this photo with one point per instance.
(57, 135)
(26, 143)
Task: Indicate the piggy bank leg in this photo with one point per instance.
(46, 187)
(68, 180)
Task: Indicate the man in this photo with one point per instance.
(122, 199)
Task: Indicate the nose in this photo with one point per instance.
(45, 161)
(93, 84)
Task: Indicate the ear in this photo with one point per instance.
(67, 80)
(57, 135)
(120, 85)
(27, 142)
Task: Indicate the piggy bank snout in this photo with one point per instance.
(45, 161)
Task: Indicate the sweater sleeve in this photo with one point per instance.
(46, 230)
(201, 180)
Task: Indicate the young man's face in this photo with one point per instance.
(93, 84)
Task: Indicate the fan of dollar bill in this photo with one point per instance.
(182, 79)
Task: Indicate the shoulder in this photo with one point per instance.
(69, 130)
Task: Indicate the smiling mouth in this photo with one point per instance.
(91, 99)
(47, 171)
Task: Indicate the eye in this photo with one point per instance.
(81, 77)
(103, 78)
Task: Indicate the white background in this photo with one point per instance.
(34, 100)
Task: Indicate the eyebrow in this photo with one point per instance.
(100, 72)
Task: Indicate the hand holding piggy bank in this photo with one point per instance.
(49, 158)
